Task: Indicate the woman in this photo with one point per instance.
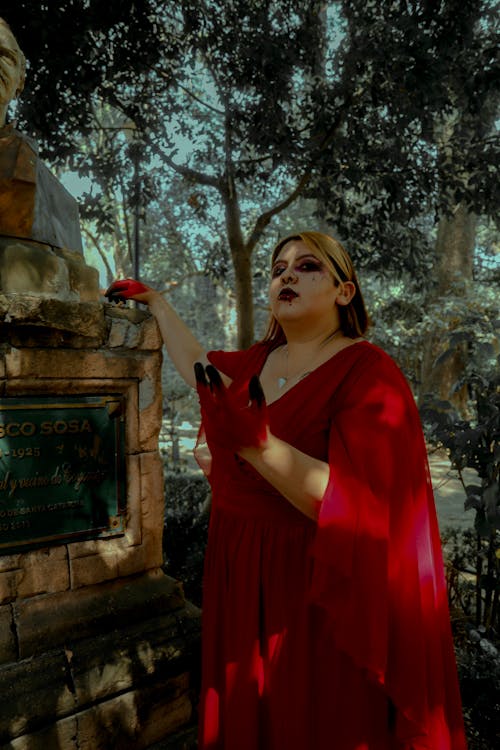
(325, 620)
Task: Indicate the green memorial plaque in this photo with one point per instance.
(62, 470)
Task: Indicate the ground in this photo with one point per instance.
(449, 493)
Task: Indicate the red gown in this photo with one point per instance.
(332, 635)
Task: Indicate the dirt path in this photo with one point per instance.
(449, 493)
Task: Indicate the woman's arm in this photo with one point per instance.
(182, 346)
(300, 478)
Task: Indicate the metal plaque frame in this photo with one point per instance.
(62, 470)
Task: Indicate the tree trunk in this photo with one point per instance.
(242, 263)
(241, 255)
(453, 273)
(454, 250)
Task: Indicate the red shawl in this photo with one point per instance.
(378, 565)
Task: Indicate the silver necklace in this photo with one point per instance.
(283, 380)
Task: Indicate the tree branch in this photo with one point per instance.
(102, 255)
(193, 174)
(264, 219)
(165, 75)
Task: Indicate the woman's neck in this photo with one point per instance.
(306, 348)
(307, 339)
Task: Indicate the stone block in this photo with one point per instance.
(92, 610)
(29, 363)
(114, 558)
(38, 572)
(92, 569)
(10, 562)
(33, 268)
(150, 405)
(135, 560)
(31, 272)
(153, 507)
(115, 662)
(134, 315)
(134, 720)
(61, 735)
(152, 494)
(151, 339)
(45, 571)
(33, 337)
(123, 333)
(134, 522)
(8, 648)
(132, 425)
(34, 693)
(152, 549)
(9, 581)
(164, 719)
(83, 279)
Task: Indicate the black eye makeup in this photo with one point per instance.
(302, 265)
(308, 266)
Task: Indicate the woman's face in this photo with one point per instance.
(302, 287)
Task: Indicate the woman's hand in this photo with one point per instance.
(226, 423)
(124, 289)
(244, 429)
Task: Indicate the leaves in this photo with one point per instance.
(380, 115)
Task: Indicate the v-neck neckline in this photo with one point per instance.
(306, 377)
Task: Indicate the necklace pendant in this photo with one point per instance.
(282, 382)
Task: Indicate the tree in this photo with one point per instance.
(463, 135)
(440, 100)
(257, 103)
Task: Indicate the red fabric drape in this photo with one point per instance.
(378, 562)
(374, 606)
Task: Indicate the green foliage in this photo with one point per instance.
(185, 531)
(473, 442)
(79, 52)
(477, 641)
(479, 674)
(419, 136)
(405, 317)
(381, 113)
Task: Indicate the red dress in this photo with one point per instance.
(332, 635)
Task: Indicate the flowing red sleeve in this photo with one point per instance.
(378, 567)
(232, 363)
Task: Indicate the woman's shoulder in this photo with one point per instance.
(368, 366)
(367, 355)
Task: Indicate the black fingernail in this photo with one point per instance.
(255, 390)
(214, 377)
(199, 372)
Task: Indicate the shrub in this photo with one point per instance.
(185, 531)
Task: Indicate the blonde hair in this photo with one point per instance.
(354, 319)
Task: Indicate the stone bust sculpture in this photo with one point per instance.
(12, 69)
(40, 238)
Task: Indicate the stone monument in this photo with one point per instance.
(97, 645)
(40, 245)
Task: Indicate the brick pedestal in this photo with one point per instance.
(96, 643)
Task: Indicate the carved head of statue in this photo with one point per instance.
(12, 68)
